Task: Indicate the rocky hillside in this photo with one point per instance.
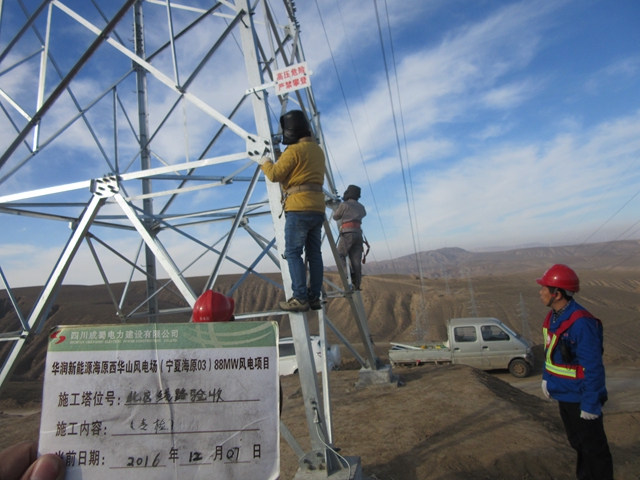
(394, 307)
(456, 262)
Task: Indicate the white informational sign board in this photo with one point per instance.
(292, 78)
(163, 401)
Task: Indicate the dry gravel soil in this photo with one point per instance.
(446, 422)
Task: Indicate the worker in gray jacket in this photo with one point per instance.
(349, 217)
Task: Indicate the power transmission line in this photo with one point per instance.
(344, 97)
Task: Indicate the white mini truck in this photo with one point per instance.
(484, 343)
(289, 363)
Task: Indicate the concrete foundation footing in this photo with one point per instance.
(383, 376)
(352, 472)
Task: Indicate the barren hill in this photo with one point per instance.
(621, 255)
(398, 307)
(447, 422)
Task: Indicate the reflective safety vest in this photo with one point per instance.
(551, 342)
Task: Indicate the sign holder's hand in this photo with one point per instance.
(19, 462)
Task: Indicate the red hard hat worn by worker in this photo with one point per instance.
(560, 276)
(213, 307)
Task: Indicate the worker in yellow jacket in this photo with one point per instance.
(300, 170)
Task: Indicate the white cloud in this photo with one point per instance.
(507, 96)
(474, 82)
(443, 84)
(493, 131)
(529, 192)
(627, 67)
(620, 70)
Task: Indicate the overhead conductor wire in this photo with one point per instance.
(406, 148)
(355, 72)
(607, 221)
(620, 177)
(373, 143)
(611, 217)
(395, 125)
(354, 132)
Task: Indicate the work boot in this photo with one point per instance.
(315, 304)
(295, 305)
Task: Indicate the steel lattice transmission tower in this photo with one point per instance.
(137, 124)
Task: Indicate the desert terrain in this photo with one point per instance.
(447, 421)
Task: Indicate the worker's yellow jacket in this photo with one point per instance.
(300, 164)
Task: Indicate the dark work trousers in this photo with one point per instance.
(350, 245)
(587, 437)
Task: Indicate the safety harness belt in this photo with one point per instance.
(305, 187)
(364, 258)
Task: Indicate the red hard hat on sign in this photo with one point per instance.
(213, 307)
(560, 276)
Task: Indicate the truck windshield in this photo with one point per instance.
(511, 332)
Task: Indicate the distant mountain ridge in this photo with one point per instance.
(398, 307)
(621, 255)
(502, 248)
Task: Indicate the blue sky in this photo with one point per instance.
(521, 118)
(510, 123)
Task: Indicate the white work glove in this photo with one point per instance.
(264, 160)
(588, 416)
(544, 390)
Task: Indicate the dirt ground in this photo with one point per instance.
(456, 422)
(446, 422)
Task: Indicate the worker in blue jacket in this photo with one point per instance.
(574, 372)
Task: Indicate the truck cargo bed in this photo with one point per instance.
(416, 353)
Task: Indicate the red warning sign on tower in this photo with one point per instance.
(292, 78)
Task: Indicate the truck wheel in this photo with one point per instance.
(519, 368)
